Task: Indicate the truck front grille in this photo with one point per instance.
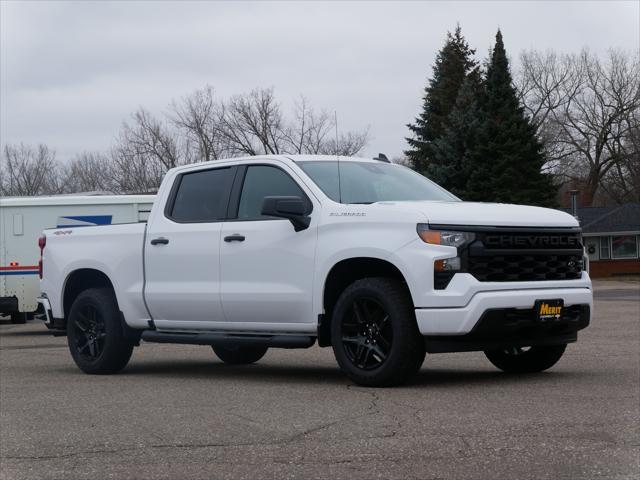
(521, 268)
(501, 255)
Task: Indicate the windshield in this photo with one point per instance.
(368, 182)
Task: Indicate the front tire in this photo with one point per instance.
(532, 360)
(374, 333)
(94, 333)
(238, 354)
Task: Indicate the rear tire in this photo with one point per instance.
(94, 333)
(374, 333)
(18, 318)
(238, 354)
(518, 360)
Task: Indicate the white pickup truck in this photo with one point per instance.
(362, 255)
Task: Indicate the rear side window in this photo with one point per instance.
(202, 196)
(264, 181)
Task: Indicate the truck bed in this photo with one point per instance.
(115, 250)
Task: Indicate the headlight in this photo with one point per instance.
(444, 237)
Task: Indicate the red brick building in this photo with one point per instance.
(612, 239)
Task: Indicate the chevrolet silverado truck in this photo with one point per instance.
(365, 256)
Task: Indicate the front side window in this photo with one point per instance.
(202, 196)
(624, 246)
(370, 182)
(264, 181)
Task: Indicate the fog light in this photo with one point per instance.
(447, 265)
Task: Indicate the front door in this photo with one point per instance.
(182, 249)
(266, 266)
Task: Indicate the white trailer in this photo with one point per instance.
(22, 220)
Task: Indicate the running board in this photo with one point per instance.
(272, 341)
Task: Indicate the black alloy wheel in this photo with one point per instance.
(95, 333)
(367, 335)
(374, 333)
(90, 333)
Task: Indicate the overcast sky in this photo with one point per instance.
(71, 72)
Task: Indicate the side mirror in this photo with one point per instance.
(294, 209)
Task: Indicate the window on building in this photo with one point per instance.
(624, 246)
(592, 245)
(605, 251)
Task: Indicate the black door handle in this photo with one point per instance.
(234, 238)
(160, 241)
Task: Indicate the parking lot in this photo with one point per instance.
(178, 412)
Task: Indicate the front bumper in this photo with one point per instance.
(462, 320)
(501, 329)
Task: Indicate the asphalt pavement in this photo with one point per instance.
(177, 412)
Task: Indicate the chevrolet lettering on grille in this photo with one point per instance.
(539, 241)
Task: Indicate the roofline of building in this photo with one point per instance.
(602, 217)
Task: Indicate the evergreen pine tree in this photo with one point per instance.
(451, 152)
(506, 163)
(453, 63)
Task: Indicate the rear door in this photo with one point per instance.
(182, 250)
(266, 266)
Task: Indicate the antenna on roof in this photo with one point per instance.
(382, 158)
(335, 114)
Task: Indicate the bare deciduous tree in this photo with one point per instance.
(308, 131)
(200, 128)
(149, 137)
(29, 171)
(133, 172)
(89, 172)
(252, 124)
(348, 144)
(144, 151)
(622, 182)
(314, 133)
(198, 117)
(585, 110)
(196, 128)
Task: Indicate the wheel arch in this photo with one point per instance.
(85, 278)
(80, 280)
(344, 273)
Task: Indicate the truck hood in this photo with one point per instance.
(488, 214)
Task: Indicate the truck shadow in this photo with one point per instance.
(263, 373)
(448, 377)
(299, 374)
(16, 331)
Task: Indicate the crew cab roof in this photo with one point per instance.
(282, 158)
(329, 158)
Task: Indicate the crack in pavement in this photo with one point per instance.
(372, 408)
(466, 454)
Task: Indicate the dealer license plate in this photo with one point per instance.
(549, 310)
